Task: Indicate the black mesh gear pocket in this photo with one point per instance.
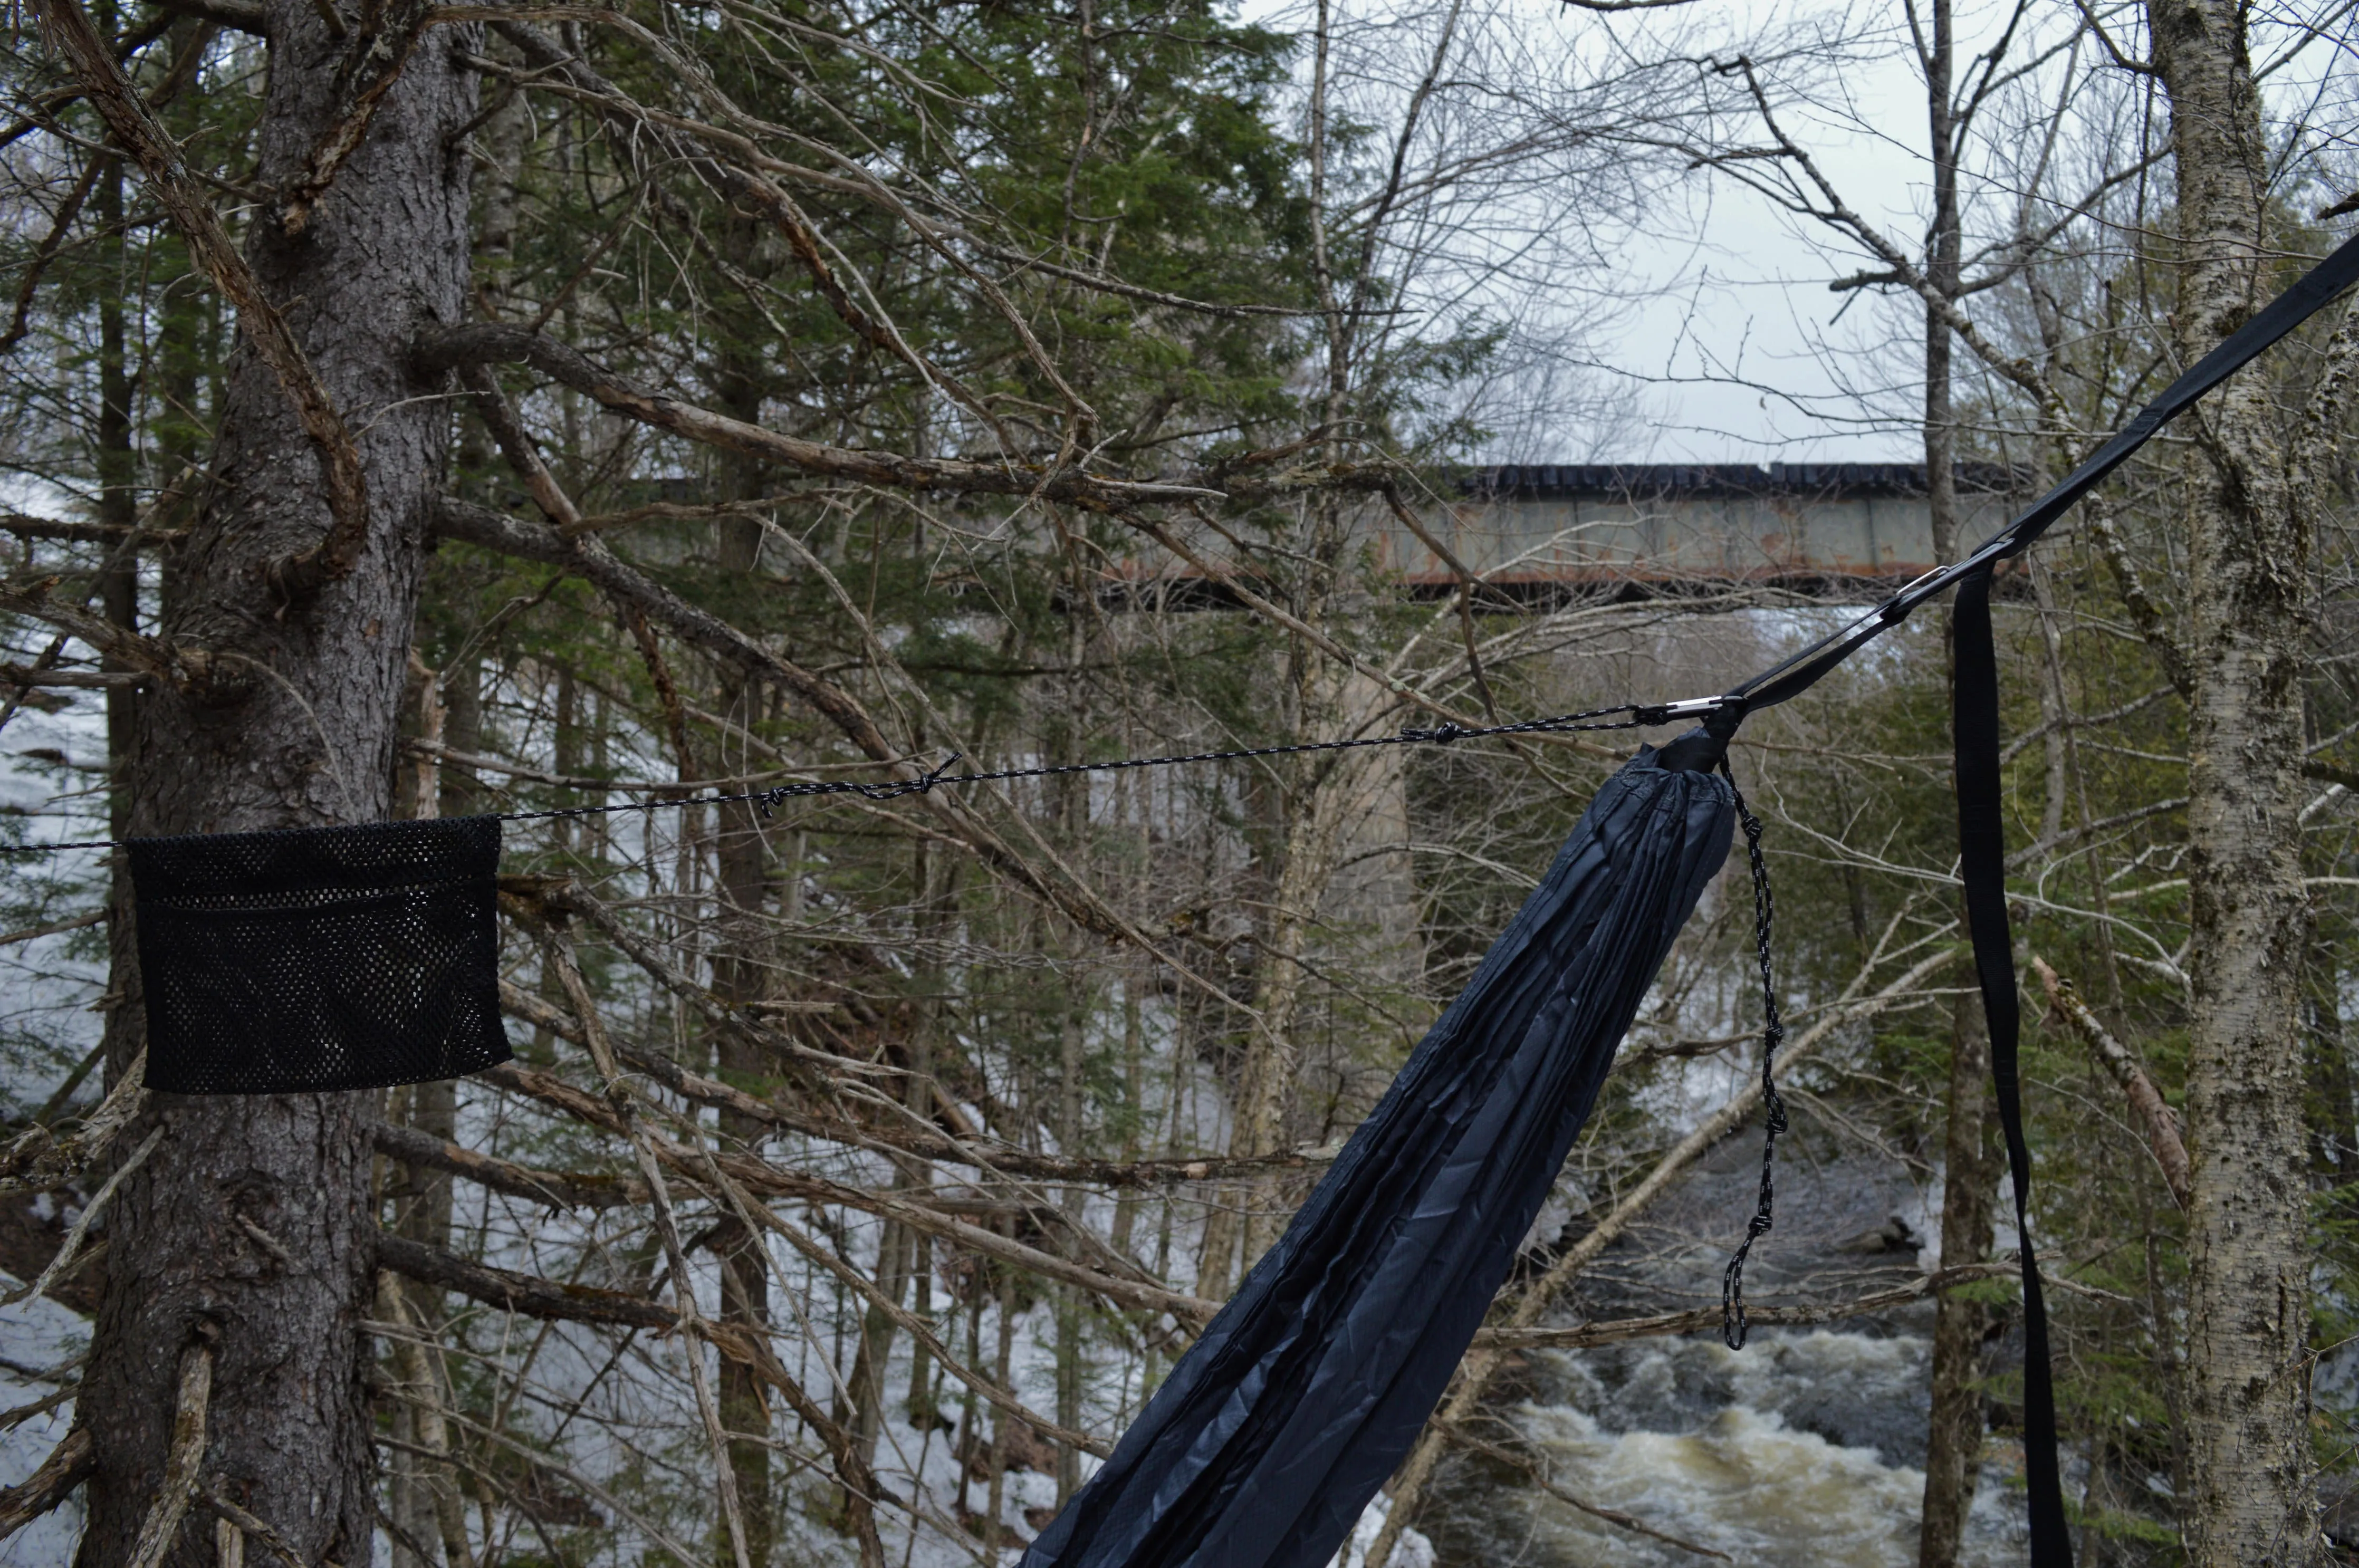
(319, 958)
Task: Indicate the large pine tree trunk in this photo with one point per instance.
(254, 1214)
(2247, 1495)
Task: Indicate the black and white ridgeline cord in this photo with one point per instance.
(1773, 1034)
(1638, 715)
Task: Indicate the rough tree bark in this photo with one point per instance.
(254, 1214)
(2247, 1496)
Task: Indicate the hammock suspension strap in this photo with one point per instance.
(1982, 862)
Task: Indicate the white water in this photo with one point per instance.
(1802, 1451)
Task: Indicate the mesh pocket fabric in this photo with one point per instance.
(319, 958)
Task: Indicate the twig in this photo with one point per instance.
(559, 946)
(63, 1262)
(252, 1525)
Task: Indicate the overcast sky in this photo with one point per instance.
(1733, 348)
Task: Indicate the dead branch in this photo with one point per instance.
(758, 1175)
(1615, 1330)
(483, 343)
(557, 943)
(82, 680)
(68, 1464)
(243, 16)
(2154, 1114)
(69, 1253)
(525, 1294)
(553, 1302)
(252, 1525)
(1483, 1360)
(20, 321)
(755, 1214)
(558, 1189)
(54, 928)
(192, 670)
(27, 527)
(374, 59)
(39, 1160)
(183, 1459)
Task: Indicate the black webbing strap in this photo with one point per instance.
(1982, 860)
(2314, 290)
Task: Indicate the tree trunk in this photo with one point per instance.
(738, 976)
(1953, 1430)
(2247, 1496)
(118, 496)
(254, 1213)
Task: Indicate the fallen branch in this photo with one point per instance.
(2155, 1116)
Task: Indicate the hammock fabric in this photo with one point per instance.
(1267, 1441)
(319, 958)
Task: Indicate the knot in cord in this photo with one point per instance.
(899, 787)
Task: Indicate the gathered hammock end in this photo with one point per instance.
(1271, 1434)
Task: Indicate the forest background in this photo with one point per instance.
(420, 410)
